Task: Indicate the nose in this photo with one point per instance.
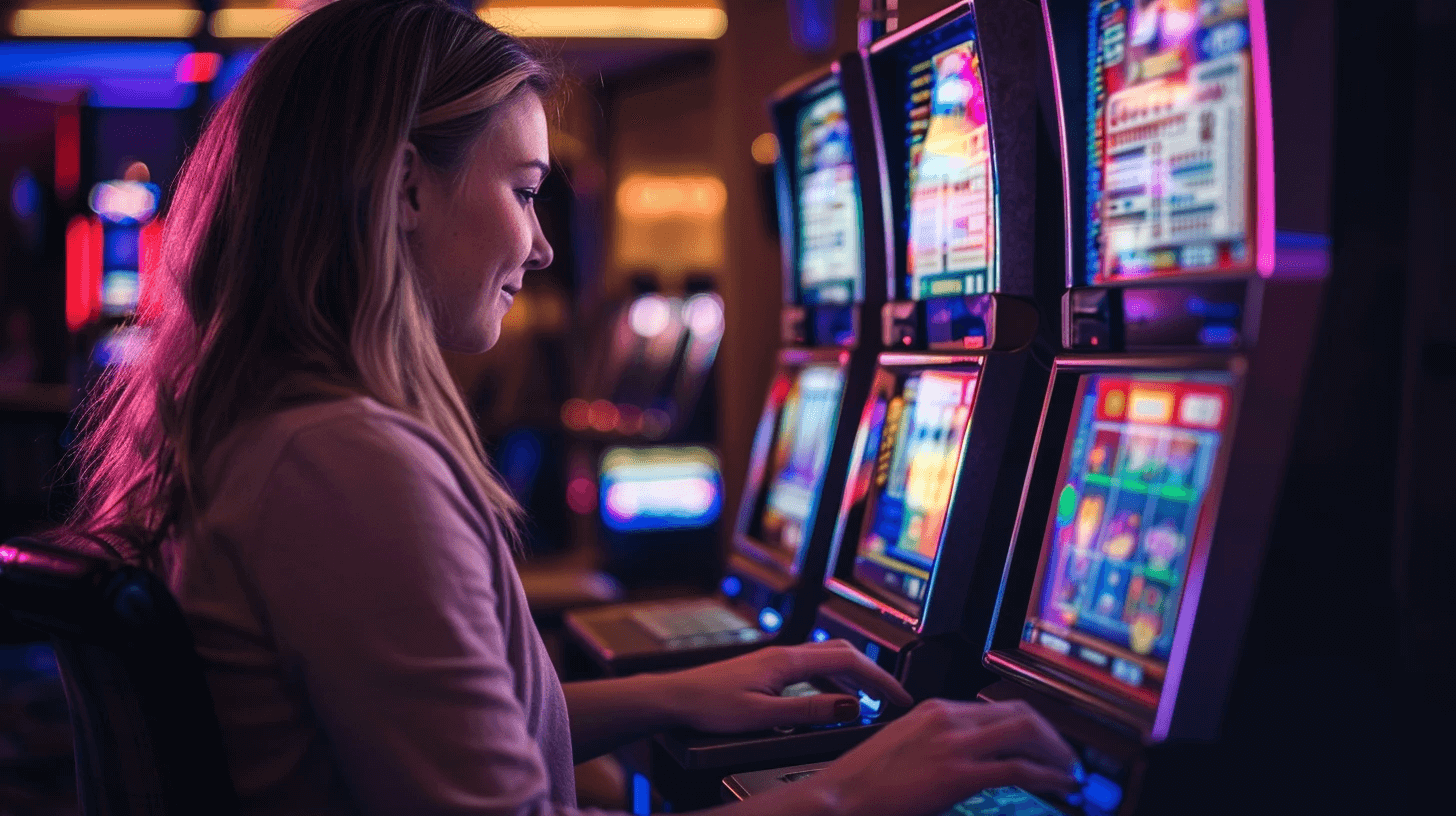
(541, 252)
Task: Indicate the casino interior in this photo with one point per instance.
(1087, 353)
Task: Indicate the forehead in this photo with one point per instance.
(517, 132)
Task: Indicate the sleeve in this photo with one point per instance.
(379, 589)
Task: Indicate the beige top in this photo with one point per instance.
(365, 635)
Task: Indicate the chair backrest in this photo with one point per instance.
(147, 740)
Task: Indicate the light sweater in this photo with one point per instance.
(365, 635)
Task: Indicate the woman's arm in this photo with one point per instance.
(741, 694)
(608, 713)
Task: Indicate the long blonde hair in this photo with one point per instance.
(282, 256)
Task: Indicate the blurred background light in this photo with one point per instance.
(650, 315)
(765, 148)
(116, 74)
(24, 194)
(201, 66)
(686, 21)
(643, 195)
(251, 23)
(165, 21)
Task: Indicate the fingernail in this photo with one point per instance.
(1079, 773)
(846, 710)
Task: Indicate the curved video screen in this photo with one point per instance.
(1131, 495)
(952, 205)
(911, 455)
(830, 245)
(1170, 166)
(799, 454)
(931, 93)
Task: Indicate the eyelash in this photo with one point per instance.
(530, 196)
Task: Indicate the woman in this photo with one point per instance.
(290, 451)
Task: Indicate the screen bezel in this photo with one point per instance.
(786, 109)
(1003, 652)
(839, 577)
(756, 487)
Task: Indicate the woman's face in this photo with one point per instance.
(475, 241)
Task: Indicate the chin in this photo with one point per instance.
(477, 341)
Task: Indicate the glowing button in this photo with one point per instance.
(1101, 794)
(770, 619)
(869, 707)
(732, 585)
(819, 635)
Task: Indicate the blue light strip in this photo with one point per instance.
(641, 796)
(117, 74)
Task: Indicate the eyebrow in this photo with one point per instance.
(539, 165)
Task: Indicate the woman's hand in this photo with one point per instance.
(943, 752)
(743, 693)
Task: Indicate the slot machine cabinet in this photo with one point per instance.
(1199, 260)
(833, 293)
(945, 435)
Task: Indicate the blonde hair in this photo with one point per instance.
(282, 256)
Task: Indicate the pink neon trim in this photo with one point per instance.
(1263, 138)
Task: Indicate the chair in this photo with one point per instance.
(147, 741)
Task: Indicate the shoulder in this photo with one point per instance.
(338, 430)
(354, 459)
(351, 496)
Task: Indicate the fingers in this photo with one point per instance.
(820, 709)
(1023, 734)
(994, 731)
(984, 714)
(837, 658)
(1027, 774)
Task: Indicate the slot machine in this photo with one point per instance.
(944, 437)
(1196, 272)
(833, 293)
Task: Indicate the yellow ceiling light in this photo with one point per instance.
(644, 195)
(161, 20)
(685, 22)
(251, 23)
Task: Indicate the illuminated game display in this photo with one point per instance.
(660, 488)
(1170, 169)
(912, 451)
(951, 185)
(799, 455)
(1130, 498)
(830, 254)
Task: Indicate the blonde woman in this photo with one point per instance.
(291, 454)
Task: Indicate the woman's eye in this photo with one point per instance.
(528, 195)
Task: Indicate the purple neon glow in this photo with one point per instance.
(1263, 138)
(1046, 20)
(849, 593)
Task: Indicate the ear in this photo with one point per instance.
(409, 188)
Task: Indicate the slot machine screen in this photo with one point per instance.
(911, 452)
(1132, 493)
(933, 91)
(660, 488)
(797, 456)
(830, 247)
(1170, 160)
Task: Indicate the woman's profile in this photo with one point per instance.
(290, 453)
